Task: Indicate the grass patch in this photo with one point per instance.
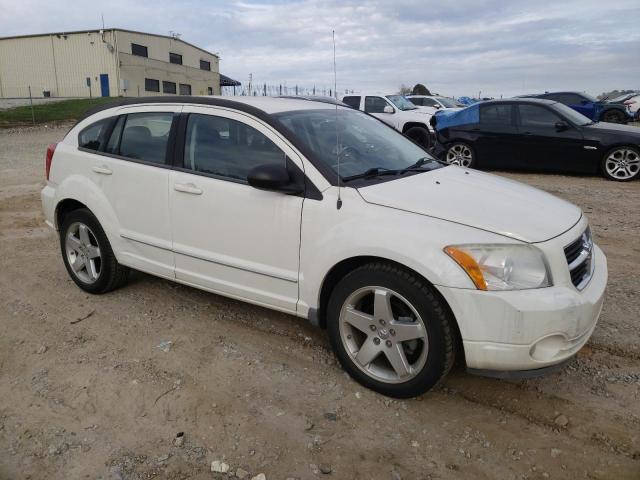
(50, 112)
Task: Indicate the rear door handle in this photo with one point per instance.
(187, 188)
(102, 170)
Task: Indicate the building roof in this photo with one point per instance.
(98, 30)
(228, 82)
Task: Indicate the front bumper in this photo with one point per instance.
(527, 329)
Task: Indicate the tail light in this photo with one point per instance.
(49, 158)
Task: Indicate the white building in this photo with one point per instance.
(114, 62)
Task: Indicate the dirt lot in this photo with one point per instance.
(86, 393)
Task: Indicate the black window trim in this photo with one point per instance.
(208, 62)
(270, 119)
(177, 55)
(168, 157)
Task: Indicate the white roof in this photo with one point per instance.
(276, 105)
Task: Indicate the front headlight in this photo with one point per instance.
(502, 267)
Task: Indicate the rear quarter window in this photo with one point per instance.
(93, 136)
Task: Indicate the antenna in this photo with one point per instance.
(335, 93)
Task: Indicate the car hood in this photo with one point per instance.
(479, 200)
(614, 128)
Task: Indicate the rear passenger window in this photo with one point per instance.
(142, 136)
(92, 137)
(495, 114)
(353, 102)
(227, 148)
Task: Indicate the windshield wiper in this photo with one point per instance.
(372, 172)
(415, 166)
(378, 171)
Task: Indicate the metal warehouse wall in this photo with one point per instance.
(58, 63)
(135, 69)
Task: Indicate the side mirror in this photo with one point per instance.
(561, 126)
(273, 177)
(437, 107)
(388, 109)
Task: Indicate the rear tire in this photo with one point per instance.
(390, 331)
(420, 136)
(614, 116)
(87, 254)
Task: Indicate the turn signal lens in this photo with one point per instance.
(469, 265)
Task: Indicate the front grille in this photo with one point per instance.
(579, 255)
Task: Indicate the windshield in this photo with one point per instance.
(401, 102)
(589, 97)
(363, 142)
(449, 103)
(572, 115)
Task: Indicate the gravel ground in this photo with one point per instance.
(85, 392)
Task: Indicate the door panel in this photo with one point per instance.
(137, 188)
(229, 237)
(544, 146)
(496, 138)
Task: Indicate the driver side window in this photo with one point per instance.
(537, 117)
(374, 104)
(227, 148)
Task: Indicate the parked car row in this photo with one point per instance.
(536, 134)
(325, 212)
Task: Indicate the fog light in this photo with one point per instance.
(547, 348)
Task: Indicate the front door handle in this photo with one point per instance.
(102, 170)
(187, 188)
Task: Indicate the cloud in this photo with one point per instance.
(456, 48)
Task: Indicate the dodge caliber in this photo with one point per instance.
(326, 213)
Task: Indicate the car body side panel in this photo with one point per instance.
(414, 241)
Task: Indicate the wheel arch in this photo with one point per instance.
(64, 207)
(409, 125)
(347, 265)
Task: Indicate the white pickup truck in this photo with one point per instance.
(398, 112)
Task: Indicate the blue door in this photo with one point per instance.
(104, 84)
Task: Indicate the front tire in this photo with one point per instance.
(614, 116)
(87, 254)
(420, 136)
(621, 164)
(459, 153)
(390, 331)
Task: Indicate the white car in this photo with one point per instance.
(397, 111)
(433, 102)
(324, 212)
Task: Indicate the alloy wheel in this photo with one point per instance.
(622, 163)
(83, 252)
(459, 154)
(383, 335)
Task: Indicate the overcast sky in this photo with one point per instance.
(454, 47)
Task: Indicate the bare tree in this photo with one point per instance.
(404, 90)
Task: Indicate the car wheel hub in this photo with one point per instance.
(383, 335)
(83, 253)
(622, 163)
